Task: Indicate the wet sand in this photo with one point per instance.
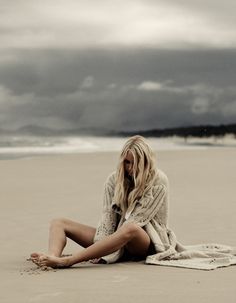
(35, 190)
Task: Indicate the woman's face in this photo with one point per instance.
(129, 163)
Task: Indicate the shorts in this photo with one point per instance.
(127, 256)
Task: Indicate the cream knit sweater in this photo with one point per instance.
(151, 213)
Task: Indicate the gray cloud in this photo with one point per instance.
(145, 64)
(113, 89)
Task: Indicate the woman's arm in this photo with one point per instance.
(108, 222)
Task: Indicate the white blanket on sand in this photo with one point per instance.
(203, 256)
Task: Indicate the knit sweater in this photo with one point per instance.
(151, 213)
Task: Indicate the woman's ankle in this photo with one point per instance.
(67, 261)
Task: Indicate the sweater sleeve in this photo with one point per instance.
(108, 222)
(148, 206)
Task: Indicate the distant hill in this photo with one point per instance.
(191, 131)
(39, 131)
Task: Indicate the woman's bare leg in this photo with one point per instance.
(130, 235)
(60, 229)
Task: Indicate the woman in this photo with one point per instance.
(135, 194)
(133, 223)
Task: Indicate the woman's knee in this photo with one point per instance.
(131, 230)
(58, 222)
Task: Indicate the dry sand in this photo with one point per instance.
(35, 190)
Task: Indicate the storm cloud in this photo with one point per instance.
(149, 64)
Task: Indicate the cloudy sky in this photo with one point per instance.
(118, 65)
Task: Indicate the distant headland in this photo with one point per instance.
(201, 131)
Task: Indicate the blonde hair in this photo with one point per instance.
(144, 172)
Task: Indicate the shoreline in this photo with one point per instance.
(40, 146)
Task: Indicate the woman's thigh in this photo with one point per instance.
(79, 233)
(139, 245)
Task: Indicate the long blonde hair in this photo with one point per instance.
(144, 172)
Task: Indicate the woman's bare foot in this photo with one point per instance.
(34, 257)
(43, 260)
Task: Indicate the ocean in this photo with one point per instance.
(24, 146)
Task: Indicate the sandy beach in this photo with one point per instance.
(35, 190)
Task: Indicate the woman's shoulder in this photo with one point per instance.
(161, 178)
(110, 181)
